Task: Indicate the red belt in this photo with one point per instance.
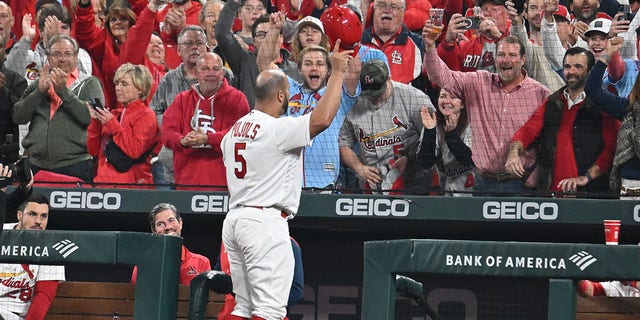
(282, 212)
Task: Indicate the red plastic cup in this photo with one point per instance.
(611, 232)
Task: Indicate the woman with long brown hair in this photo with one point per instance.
(446, 142)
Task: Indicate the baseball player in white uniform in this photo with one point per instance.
(262, 156)
(27, 290)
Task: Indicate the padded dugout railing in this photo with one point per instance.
(157, 258)
(561, 263)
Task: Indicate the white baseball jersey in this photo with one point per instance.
(262, 156)
(619, 289)
(386, 131)
(17, 283)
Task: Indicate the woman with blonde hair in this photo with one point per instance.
(123, 139)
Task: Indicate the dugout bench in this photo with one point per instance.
(560, 263)
(157, 258)
(103, 300)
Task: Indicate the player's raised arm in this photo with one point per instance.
(325, 111)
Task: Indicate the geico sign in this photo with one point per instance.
(85, 200)
(506, 210)
(372, 207)
(210, 203)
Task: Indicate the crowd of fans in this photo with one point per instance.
(491, 100)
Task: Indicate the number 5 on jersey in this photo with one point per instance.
(242, 170)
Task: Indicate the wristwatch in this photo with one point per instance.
(588, 176)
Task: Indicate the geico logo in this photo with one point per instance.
(85, 200)
(210, 203)
(372, 207)
(520, 210)
(636, 213)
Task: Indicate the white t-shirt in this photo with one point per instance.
(263, 159)
(17, 283)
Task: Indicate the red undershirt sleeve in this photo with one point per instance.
(43, 295)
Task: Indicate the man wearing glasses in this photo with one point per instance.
(243, 62)
(403, 48)
(173, 18)
(192, 43)
(55, 104)
(250, 11)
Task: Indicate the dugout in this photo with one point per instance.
(332, 229)
(560, 264)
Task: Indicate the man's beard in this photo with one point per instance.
(577, 85)
(588, 17)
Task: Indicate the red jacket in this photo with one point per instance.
(135, 134)
(470, 55)
(131, 51)
(404, 52)
(201, 166)
(171, 56)
(101, 47)
(191, 265)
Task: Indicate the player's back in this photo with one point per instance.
(262, 156)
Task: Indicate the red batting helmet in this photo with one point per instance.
(341, 23)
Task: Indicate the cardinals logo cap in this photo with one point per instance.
(373, 79)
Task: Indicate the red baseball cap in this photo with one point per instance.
(562, 12)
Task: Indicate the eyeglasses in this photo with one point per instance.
(189, 44)
(392, 7)
(260, 35)
(253, 9)
(58, 55)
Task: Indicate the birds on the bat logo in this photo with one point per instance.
(398, 124)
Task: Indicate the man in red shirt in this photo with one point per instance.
(578, 139)
(477, 53)
(175, 16)
(165, 219)
(196, 121)
(403, 48)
